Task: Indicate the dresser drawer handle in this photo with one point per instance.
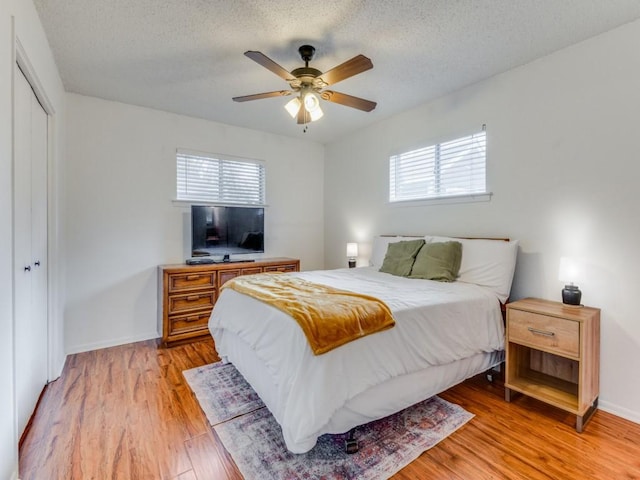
(541, 332)
(191, 319)
(193, 277)
(193, 298)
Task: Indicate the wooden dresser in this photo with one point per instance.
(187, 293)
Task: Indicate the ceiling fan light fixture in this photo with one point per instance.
(316, 114)
(293, 106)
(311, 102)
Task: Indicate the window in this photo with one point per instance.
(449, 169)
(207, 178)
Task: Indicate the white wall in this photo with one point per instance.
(122, 223)
(564, 167)
(19, 20)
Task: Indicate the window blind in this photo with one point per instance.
(206, 178)
(447, 169)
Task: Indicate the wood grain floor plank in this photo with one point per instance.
(210, 460)
(190, 475)
(127, 413)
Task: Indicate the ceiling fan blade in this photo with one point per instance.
(269, 64)
(348, 100)
(258, 96)
(356, 65)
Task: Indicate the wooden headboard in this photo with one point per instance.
(502, 239)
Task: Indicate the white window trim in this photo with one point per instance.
(452, 199)
(187, 203)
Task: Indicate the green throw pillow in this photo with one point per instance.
(438, 261)
(400, 257)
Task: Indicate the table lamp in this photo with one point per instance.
(352, 254)
(570, 271)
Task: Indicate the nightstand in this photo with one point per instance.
(553, 355)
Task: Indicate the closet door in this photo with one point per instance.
(39, 238)
(30, 248)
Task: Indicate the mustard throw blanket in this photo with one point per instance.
(328, 317)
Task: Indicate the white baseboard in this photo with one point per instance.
(87, 347)
(57, 371)
(619, 411)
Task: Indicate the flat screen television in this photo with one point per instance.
(226, 230)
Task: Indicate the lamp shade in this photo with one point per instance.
(311, 102)
(293, 106)
(316, 114)
(571, 270)
(352, 250)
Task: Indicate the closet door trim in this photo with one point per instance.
(22, 59)
(23, 62)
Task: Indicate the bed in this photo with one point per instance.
(444, 333)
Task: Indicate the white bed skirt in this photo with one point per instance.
(375, 403)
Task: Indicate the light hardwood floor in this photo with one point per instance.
(127, 413)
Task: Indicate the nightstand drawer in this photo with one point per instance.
(556, 335)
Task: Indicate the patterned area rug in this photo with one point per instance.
(222, 392)
(254, 439)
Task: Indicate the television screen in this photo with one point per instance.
(226, 230)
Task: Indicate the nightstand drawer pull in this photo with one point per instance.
(541, 332)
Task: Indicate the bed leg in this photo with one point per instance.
(350, 443)
(494, 372)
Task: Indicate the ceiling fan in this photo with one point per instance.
(309, 84)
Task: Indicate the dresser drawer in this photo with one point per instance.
(225, 276)
(281, 268)
(191, 301)
(555, 335)
(188, 281)
(189, 322)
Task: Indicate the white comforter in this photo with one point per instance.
(436, 324)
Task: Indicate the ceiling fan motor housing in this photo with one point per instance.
(306, 52)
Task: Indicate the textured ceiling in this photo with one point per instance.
(187, 56)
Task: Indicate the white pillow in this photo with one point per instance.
(489, 263)
(380, 245)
